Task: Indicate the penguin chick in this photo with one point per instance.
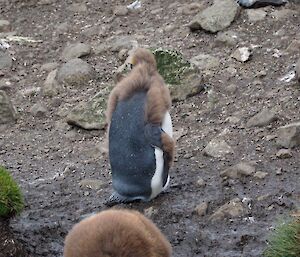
(116, 233)
(141, 147)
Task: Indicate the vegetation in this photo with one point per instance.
(285, 240)
(11, 199)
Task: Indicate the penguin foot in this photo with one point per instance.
(116, 198)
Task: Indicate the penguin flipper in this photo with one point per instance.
(153, 134)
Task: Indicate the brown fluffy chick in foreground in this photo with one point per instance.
(116, 233)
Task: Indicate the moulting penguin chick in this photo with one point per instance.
(141, 147)
(116, 233)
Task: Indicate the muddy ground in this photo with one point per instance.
(49, 158)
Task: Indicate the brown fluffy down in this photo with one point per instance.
(145, 77)
(116, 233)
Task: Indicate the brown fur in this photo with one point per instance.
(116, 233)
(144, 77)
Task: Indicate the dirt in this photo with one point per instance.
(50, 158)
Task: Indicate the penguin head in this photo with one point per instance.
(142, 55)
(116, 233)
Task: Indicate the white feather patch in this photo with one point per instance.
(156, 181)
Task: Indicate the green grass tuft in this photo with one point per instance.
(11, 199)
(285, 240)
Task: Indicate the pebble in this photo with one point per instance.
(284, 154)
(201, 209)
(260, 174)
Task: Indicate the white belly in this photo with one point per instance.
(156, 182)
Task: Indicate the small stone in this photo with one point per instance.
(120, 10)
(238, 170)
(289, 135)
(232, 209)
(231, 88)
(77, 7)
(284, 154)
(75, 51)
(4, 26)
(228, 38)
(201, 209)
(38, 110)
(217, 148)
(279, 171)
(150, 212)
(262, 197)
(5, 60)
(51, 87)
(75, 72)
(205, 61)
(261, 119)
(255, 15)
(260, 174)
(86, 193)
(241, 54)
(7, 111)
(200, 182)
(94, 184)
(170, 28)
(123, 54)
(47, 67)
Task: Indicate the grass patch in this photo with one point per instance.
(285, 240)
(11, 199)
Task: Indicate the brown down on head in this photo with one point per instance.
(143, 77)
(116, 233)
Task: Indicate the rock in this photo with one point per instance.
(232, 209)
(75, 72)
(261, 119)
(201, 209)
(47, 67)
(260, 174)
(241, 54)
(297, 68)
(5, 60)
(228, 38)
(255, 15)
(150, 212)
(123, 54)
(216, 17)
(38, 110)
(94, 184)
(289, 135)
(7, 111)
(200, 182)
(90, 115)
(51, 87)
(238, 170)
(46, 2)
(77, 7)
(120, 10)
(182, 77)
(116, 44)
(205, 62)
(284, 154)
(4, 26)
(75, 51)
(217, 148)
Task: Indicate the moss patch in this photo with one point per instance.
(11, 199)
(285, 240)
(171, 65)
